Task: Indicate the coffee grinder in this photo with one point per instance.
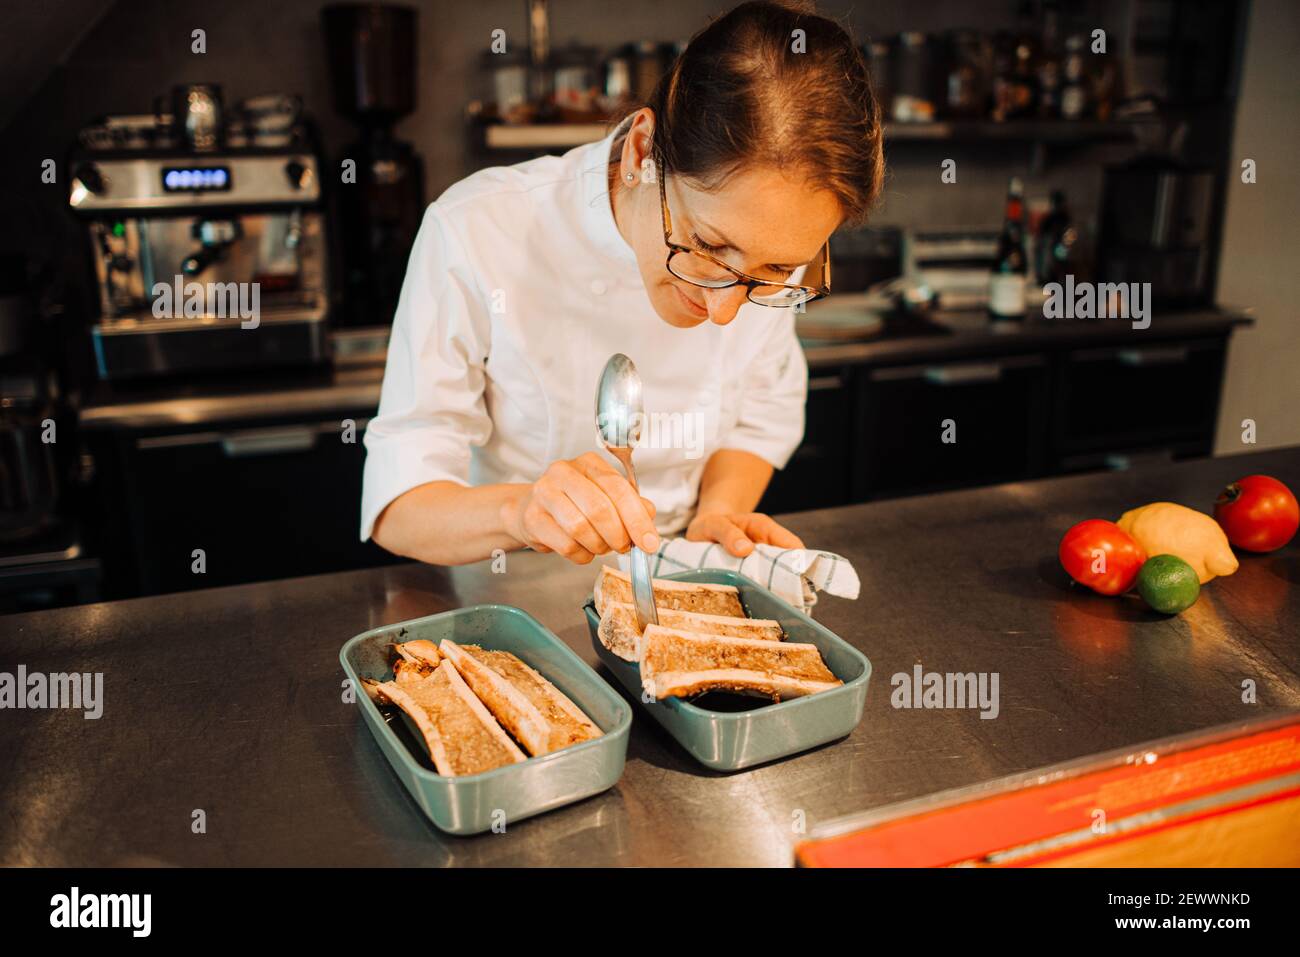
(371, 50)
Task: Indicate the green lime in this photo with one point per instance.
(1168, 584)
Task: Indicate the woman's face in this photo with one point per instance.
(761, 221)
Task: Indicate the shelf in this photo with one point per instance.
(542, 136)
(568, 135)
(1020, 131)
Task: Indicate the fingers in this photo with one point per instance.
(583, 508)
(739, 533)
(765, 529)
(560, 494)
(628, 504)
(600, 513)
(720, 528)
(735, 540)
(546, 535)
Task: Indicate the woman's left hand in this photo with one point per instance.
(739, 532)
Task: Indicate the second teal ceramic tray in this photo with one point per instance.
(729, 732)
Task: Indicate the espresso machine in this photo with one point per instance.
(208, 239)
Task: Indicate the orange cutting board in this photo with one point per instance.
(1211, 800)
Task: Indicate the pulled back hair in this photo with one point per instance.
(740, 95)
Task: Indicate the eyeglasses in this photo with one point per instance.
(700, 269)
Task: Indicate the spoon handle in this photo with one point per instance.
(624, 456)
(643, 594)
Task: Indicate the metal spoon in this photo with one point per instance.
(620, 414)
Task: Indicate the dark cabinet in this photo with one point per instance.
(1141, 397)
(261, 502)
(818, 475)
(878, 430)
(951, 424)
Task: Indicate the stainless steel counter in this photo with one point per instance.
(229, 700)
(345, 389)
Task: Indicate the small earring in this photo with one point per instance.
(630, 177)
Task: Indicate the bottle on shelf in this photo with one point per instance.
(963, 94)
(1008, 277)
(1049, 64)
(1104, 84)
(1057, 238)
(1074, 92)
(1015, 84)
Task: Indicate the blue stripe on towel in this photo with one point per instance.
(771, 572)
(704, 559)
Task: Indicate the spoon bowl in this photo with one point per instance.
(620, 414)
(620, 410)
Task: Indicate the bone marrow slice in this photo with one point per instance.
(678, 663)
(419, 651)
(540, 716)
(613, 585)
(389, 692)
(415, 659)
(619, 633)
(461, 735)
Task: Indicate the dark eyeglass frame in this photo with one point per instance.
(749, 282)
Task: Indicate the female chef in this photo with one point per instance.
(681, 240)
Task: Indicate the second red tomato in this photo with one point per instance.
(1258, 513)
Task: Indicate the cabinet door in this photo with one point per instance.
(953, 424)
(1139, 396)
(818, 474)
(263, 502)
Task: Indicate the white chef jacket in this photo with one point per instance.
(518, 289)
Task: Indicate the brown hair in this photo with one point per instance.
(740, 94)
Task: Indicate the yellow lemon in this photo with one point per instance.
(1163, 528)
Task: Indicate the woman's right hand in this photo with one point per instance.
(581, 508)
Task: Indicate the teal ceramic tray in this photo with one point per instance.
(729, 732)
(473, 803)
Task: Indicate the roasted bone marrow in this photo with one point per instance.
(613, 585)
(476, 709)
(704, 642)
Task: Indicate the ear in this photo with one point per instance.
(637, 144)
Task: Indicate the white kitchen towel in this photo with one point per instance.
(795, 574)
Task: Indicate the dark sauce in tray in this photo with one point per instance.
(396, 719)
(729, 701)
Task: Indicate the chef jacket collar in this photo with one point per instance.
(597, 215)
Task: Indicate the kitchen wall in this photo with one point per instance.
(1258, 268)
(31, 41)
(140, 48)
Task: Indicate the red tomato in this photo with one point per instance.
(1102, 556)
(1257, 513)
